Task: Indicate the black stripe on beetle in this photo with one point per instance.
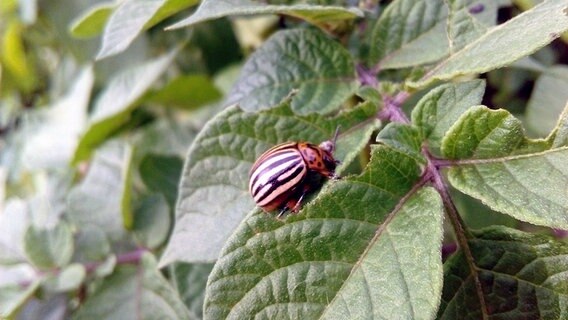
(280, 177)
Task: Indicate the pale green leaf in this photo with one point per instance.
(440, 108)
(114, 105)
(214, 195)
(131, 18)
(14, 221)
(368, 247)
(319, 70)
(559, 136)
(49, 248)
(91, 245)
(138, 291)
(67, 279)
(547, 100)
(522, 276)
(404, 138)
(92, 22)
(101, 199)
(496, 163)
(315, 14)
(53, 143)
(17, 284)
(503, 44)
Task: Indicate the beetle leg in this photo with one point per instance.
(282, 212)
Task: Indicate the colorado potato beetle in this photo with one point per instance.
(283, 175)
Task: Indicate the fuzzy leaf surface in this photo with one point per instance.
(523, 276)
(367, 248)
(503, 44)
(308, 61)
(214, 197)
(440, 108)
(497, 164)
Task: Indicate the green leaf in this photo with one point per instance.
(68, 279)
(314, 14)
(14, 222)
(186, 92)
(410, 33)
(214, 195)
(152, 221)
(14, 58)
(102, 198)
(496, 163)
(547, 100)
(319, 70)
(92, 22)
(523, 276)
(134, 290)
(404, 138)
(161, 174)
(350, 253)
(17, 285)
(114, 105)
(131, 18)
(49, 248)
(440, 108)
(91, 245)
(559, 135)
(189, 281)
(57, 136)
(503, 44)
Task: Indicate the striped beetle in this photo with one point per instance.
(283, 175)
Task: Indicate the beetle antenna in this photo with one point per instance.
(336, 134)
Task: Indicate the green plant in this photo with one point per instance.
(103, 217)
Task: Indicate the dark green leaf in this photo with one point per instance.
(162, 174)
(319, 71)
(497, 164)
(523, 276)
(186, 92)
(339, 258)
(214, 188)
(152, 221)
(189, 280)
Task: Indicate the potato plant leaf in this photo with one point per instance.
(92, 22)
(374, 258)
(416, 32)
(496, 163)
(114, 105)
(319, 69)
(440, 108)
(138, 291)
(214, 197)
(131, 18)
(523, 276)
(318, 15)
(503, 44)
